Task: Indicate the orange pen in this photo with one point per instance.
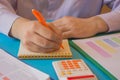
(41, 19)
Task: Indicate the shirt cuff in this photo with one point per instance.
(6, 21)
(112, 19)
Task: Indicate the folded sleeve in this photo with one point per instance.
(113, 18)
(7, 16)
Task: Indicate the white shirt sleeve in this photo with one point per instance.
(7, 16)
(112, 18)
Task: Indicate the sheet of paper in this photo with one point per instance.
(105, 50)
(13, 69)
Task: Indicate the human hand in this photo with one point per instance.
(72, 27)
(36, 37)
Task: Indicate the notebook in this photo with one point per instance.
(13, 69)
(23, 53)
(103, 51)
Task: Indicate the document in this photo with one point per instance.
(13, 69)
(103, 49)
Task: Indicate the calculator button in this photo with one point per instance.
(68, 72)
(62, 73)
(66, 68)
(63, 62)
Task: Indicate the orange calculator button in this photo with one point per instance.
(77, 66)
(69, 72)
(72, 68)
(63, 63)
(65, 67)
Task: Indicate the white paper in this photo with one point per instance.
(13, 69)
(105, 50)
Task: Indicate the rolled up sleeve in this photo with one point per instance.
(113, 18)
(7, 18)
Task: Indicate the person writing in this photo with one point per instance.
(71, 19)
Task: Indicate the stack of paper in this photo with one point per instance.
(13, 69)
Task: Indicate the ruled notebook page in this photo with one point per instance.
(23, 53)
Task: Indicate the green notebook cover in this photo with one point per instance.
(91, 59)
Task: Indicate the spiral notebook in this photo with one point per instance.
(23, 53)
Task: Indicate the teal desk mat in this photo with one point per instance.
(11, 46)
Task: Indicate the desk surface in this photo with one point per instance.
(11, 46)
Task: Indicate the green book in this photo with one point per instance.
(103, 51)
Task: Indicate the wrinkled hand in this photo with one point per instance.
(36, 37)
(72, 27)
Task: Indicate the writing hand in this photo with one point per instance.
(36, 37)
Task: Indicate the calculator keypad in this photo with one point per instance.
(72, 68)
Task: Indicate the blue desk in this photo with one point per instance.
(11, 46)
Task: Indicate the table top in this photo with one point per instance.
(11, 46)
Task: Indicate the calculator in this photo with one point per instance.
(74, 69)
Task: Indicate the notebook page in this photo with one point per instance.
(23, 53)
(13, 69)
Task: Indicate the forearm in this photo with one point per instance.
(112, 19)
(16, 28)
(7, 16)
(100, 24)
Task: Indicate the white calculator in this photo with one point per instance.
(74, 69)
